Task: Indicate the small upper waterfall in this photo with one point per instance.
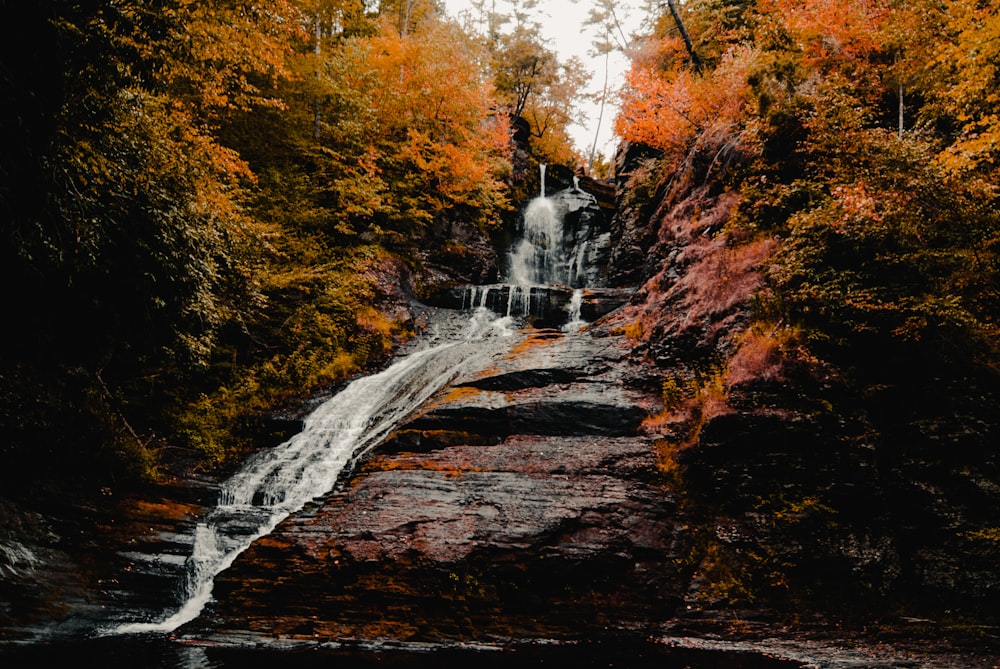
(538, 258)
(547, 254)
(561, 248)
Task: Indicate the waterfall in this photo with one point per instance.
(538, 257)
(574, 321)
(561, 245)
(280, 481)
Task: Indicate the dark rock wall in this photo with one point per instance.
(632, 229)
(816, 484)
(454, 253)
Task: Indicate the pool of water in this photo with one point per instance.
(157, 652)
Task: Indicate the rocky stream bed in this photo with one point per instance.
(541, 508)
(518, 517)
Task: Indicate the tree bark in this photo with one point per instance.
(901, 110)
(316, 104)
(695, 60)
(600, 115)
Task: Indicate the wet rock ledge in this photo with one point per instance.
(521, 504)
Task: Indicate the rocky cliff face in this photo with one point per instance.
(816, 485)
(523, 503)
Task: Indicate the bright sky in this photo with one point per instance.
(562, 24)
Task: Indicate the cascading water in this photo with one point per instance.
(280, 481)
(538, 258)
(554, 252)
(575, 322)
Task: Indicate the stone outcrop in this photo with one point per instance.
(818, 485)
(454, 253)
(522, 503)
(632, 227)
(586, 234)
(547, 306)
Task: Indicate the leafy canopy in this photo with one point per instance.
(861, 133)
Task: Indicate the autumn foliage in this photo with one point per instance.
(862, 135)
(433, 130)
(674, 108)
(205, 203)
(839, 330)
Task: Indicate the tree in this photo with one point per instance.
(836, 35)
(532, 84)
(522, 66)
(551, 111)
(133, 241)
(406, 14)
(966, 100)
(609, 37)
(678, 109)
(331, 20)
(418, 135)
(695, 59)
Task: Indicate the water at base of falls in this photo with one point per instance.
(160, 653)
(280, 481)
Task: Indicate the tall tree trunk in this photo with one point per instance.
(901, 110)
(404, 27)
(600, 114)
(695, 60)
(316, 105)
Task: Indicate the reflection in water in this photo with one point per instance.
(157, 652)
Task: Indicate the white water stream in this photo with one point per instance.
(547, 254)
(575, 321)
(280, 481)
(538, 258)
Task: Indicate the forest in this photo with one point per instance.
(213, 211)
(861, 136)
(204, 201)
